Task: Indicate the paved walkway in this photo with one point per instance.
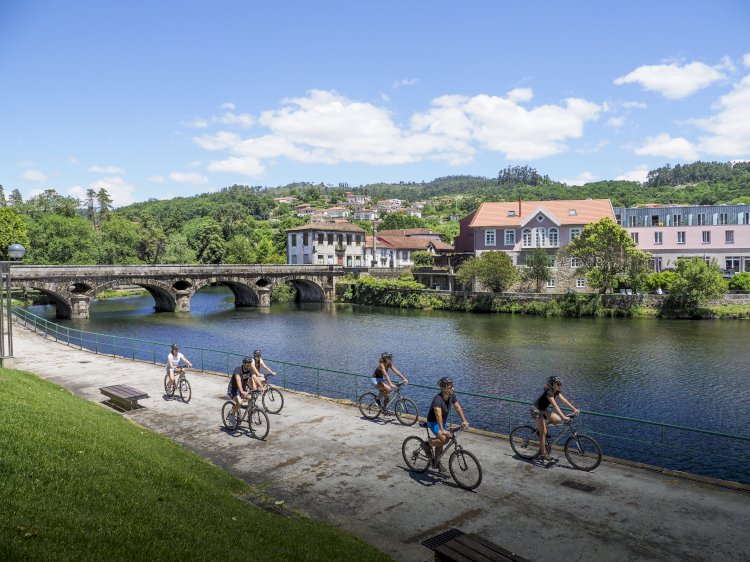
(324, 459)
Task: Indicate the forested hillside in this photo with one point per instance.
(244, 224)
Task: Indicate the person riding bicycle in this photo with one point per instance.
(437, 418)
(173, 361)
(237, 389)
(380, 376)
(259, 364)
(543, 415)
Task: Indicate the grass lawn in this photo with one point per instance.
(80, 482)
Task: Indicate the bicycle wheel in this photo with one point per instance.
(406, 411)
(185, 391)
(168, 388)
(583, 452)
(415, 454)
(524, 440)
(369, 406)
(225, 411)
(273, 400)
(465, 469)
(258, 422)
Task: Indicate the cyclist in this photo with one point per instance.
(437, 418)
(543, 415)
(237, 389)
(259, 364)
(173, 361)
(380, 376)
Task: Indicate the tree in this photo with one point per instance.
(90, 209)
(15, 199)
(178, 250)
(538, 263)
(696, 283)
(118, 242)
(239, 250)
(3, 202)
(105, 202)
(494, 270)
(55, 239)
(423, 259)
(400, 221)
(153, 241)
(50, 201)
(12, 231)
(607, 255)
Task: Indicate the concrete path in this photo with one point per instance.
(324, 459)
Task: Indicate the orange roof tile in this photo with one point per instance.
(586, 211)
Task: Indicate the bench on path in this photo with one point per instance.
(455, 545)
(123, 397)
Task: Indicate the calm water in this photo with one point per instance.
(691, 373)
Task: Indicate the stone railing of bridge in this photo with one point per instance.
(72, 287)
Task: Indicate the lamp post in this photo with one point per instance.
(16, 252)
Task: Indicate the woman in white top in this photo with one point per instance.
(173, 361)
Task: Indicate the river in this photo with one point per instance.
(688, 373)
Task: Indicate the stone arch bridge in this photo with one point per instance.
(72, 287)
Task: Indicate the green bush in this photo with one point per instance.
(740, 282)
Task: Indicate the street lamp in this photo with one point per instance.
(16, 252)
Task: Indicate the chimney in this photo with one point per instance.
(519, 206)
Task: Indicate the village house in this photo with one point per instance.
(356, 199)
(389, 205)
(326, 243)
(365, 215)
(395, 248)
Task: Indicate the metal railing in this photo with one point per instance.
(659, 445)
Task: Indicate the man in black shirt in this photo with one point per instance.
(437, 417)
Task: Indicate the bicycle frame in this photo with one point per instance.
(392, 398)
(452, 443)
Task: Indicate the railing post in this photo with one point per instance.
(202, 368)
(317, 382)
(68, 336)
(114, 345)
(284, 376)
(96, 344)
(663, 443)
(510, 417)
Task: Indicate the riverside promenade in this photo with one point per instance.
(323, 459)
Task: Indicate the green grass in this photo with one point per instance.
(80, 482)
(115, 293)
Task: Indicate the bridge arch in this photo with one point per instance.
(165, 298)
(242, 289)
(307, 289)
(62, 299)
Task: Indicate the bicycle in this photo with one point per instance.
(181, 383)
(257, 419)
(463, 465)
(404, 408)
(582, 451)
(272, 399)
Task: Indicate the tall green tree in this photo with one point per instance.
(90, 208)
(105, 202)
(538, 263)
(153, 241)
(696, 283)
(494, 270)
(606, 254)
(15, 199)
(239, 250)
(399, 221)
(178, 250)
(118, 242)
(3, 202)
(50, 201)
(12, 231)
(55, 239)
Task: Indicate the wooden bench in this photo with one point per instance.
(455, 545)
(123, 397)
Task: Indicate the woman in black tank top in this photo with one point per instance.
(381, 379)
(542, 413)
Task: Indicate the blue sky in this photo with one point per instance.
(166, 98)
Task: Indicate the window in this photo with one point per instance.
(348, 239)
(654, 220)
(575, 262)
(723, 218)
(330, 237)
(541, 237)
(657, 237)
(551, 284)
(489, 237)
(574, 233)
(340, 239)
(572, 212)
(580, 283)
(511, 213)
(732, 263)
(320, 258)
(526, 237)
(540, 217)
(744, 218)
(632, 221)
(680, 236)
(656, 264)
(320, 237)
(330, 260)
(510, 237)
(634, 236)
(676, 220)
(729, 237)
(553, 237)
(306, 259)
(348, 261)
(706, 236)
(294, 241)
(294, 259)
(358, 261)
(405, 256)
(701, 219)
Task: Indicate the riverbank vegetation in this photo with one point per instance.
(88, 483)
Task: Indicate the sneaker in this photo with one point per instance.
(438, 466)
(546, 456)
(232, 419)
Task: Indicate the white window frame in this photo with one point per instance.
(658, 237)
(490, 237)
(575, 263)
(634, 237)
(574, 233)
(580, 283)
(526, 238)
(510, 237)
(551, 283)
(729, 236)
(541, 237)
(553, 237)
(706, 236)
(680, 236)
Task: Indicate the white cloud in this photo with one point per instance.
(385, 97)
(634, 105)
(34, 175)
(746, 60)
(326, 128)
(583, 177)
(671, 80)
(156, 179)
(74, 160)
(197, 123)
(730, 127)
(119, 190)
(78, 192)
(639, 174)
(106, 170)
(243, 119)
(616, 122)
(405, 82)
(188, 177)
(229, 106)
(668, 147)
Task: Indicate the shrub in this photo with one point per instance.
(740, 282)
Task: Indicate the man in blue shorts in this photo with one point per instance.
(437, 417)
